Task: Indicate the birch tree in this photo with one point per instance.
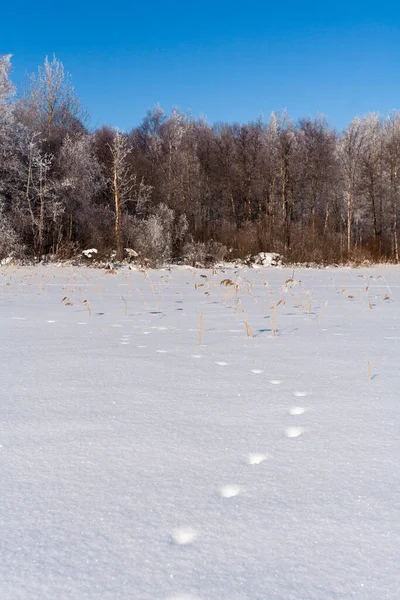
(350, 149)
(371, 172)
(392, 163)
(126, 189)
(49, 104)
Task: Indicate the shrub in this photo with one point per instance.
(157, 238)
(9, 242)
(202, 254)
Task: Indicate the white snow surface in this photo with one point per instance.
(123, 428)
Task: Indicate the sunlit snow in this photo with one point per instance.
(179, 465)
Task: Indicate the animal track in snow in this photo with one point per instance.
(297, 410)
(275, 381)
(183, 535)
(81, 323)
(299, 394)
(196, 355)
(52, 321)
(162, 351)
(141, 346)
(257, 371)
(116, 325)
(221, 363)
(183, 597)
(229, 491)
(256, 458)
(294, 432)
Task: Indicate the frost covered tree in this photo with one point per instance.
(286, 146)
(391, 157)
(39, 193)
(125, 187)
(122, 184)
(317, 164)
(372, 181)
(7, 91)
(9, 242)
(80, 183)
(350, 148)
(9, 160)
(49, 104)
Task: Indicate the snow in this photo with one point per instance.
(89, 252)
(139, 463)
(184, 535)
(230, 490)
(256, 458)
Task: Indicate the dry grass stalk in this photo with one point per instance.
(87, 306)
(126, 306)
(274, 305)
(248, 330)
(147, 276)
(66, 301)
(247, 327)
(274, 320)
(368, 300)
(237, 287)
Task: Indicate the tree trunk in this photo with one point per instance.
(394, 176)
(41, 214)
(117, 225)
(349, 216)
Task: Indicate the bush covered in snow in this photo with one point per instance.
(158, 237)
(203, 253)
(9, 242)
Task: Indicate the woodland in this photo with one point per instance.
(176, 189)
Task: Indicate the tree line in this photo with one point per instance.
(178, 189)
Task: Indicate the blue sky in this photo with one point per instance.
(230, 61)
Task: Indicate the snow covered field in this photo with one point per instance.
(139, 464)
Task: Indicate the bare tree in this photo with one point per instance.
(7, 90)
(371, 172)
(392, 162)
(125, 186)
(350, 149)
(49, 104)
(286, 145)
(317, 163)
(38, 191)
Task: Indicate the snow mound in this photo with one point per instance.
(89, 252)
(267, 259)
(184, 535)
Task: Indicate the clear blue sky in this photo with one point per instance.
(230, 61)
